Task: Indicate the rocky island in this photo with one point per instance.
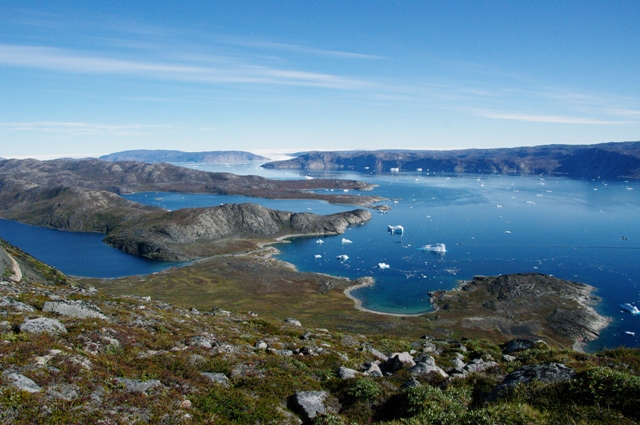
(160, 155)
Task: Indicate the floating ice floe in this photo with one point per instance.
(342, 257)
(394, 170)
(630, 333)
(395, 229)
(308, 177)
(345, 241)
(630, 308)
(318, 256)
(383, 265)
(319, 241)
(436, 247)
(498, 206)
(507, 232)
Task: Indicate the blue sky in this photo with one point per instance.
(82, 78)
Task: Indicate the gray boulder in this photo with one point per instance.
(425, 369)
(136, 386)
(411, 383)
(479, 365)
(374, 370)
(346, 373)
(74, 308)
(21, 382)
(217, 378)
(543, 372)
(377, 354)
(200, 341)
(66, 392)
(43, 325)
(399, 361)
(15, 305)
(520, 344)
(293, 322)
(309, 404)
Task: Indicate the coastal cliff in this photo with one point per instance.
(605, 160)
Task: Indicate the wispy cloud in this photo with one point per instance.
(63, 60)
(299, 48)
(81, 128)
(553, 119)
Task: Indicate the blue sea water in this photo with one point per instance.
(580, 230)
(77, 254)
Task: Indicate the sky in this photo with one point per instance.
(82, 78)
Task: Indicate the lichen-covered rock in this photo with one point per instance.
(43, 325)
(346, 373)
(309, 404)
(293, 322)
(399, 361)
(9, 302)
(425, 369)
(544, 372)
(21, 382)
(217, 378)
(520, 344)
(74, 308)
(136, 386)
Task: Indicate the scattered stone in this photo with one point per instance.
(544, 372)
(293, 322)
(399, 361)
(136, 386)
(374, 370)
(20, 382)
(66, 392)
(377, 354)
(425, 358)
(346, 373)
(200, 341)
(422, 368)
(74, 308)
(309, 404)
(43, 325)
(349, 341)
(15, 305)
(306, 336)
(411, 383)
(218, 378)
(479, 365)
(508, 358)
(457, 363)
(284, 353)
(342, 356)
(186, 404)
(196, 359)
(520, 344)
(261, 345)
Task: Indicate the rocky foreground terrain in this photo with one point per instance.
(605, 160)
(72, 354)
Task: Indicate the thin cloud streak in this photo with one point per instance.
(81, 128)
(551, 119)
(72, 62)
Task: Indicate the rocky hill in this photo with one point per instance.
(605, 160)
(74, 355)
(191, 233)
(211, 157)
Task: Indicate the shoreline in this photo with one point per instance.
(368, 281)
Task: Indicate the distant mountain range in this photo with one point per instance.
(212, 157)
(605, 160)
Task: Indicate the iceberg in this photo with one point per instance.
(345, 240)
(319, 241)
(630, 308)
(383, 265)
(342, 257)
(395, 229)
(318, 256)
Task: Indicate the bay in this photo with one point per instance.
(581, 230)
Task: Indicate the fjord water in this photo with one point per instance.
(581, 230)
(77, 254)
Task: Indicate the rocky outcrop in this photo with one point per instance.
(544, 372)
(527, 305)
(175, 235)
